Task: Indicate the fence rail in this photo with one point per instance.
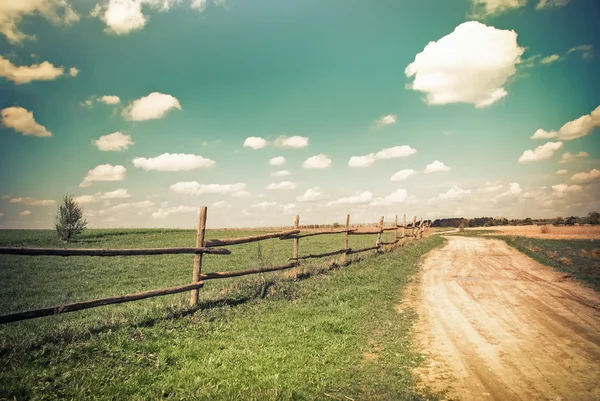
(211, 246)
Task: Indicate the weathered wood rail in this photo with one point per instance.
(212, 247)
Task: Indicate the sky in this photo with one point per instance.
(146, 110)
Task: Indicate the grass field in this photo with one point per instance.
(269, 337)
(579, 258)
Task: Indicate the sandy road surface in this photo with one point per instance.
(496, 325)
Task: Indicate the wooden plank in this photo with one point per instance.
(391, 243)
(346, 239)
(378, 241)
(237, 273)
(254, 238)
(321, 255)
(404, 226)
(197, 269)
(296, 240)
(109, 252)
(55, 310)
(318, 233)
(371, 248)
(414, 224)
(396, 229)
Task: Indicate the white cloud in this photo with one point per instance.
(363, 197)
(44, 71)
(194, 188)
(25, 213)
(490, 187)
(551, 3)
(110, 99)
(155, 105)
(311, 195)
(129, 205)
(567, 157)
(436, 166)
(1, 214)
(550, 59)
(33, 202)
(563, 189)
(403, 174)
(113, 142)
(162, 213)
(482, 8)
(86, 199)
(586, 51)
(58, 12)
(398, 196)
(542, 152)
(470, 65)
(277, 161)
(73, 71)
(255, 142)
(291, 142)
(453, 193)
(173, 162)
(561, 172)
(21, 120)
(104, 172)
(124, 16)
(116, 194)
(222, 204)
(241, 194)
(592, 175)
(387, 120)
(512, 195)
(264, 205)
(282, 185)
(318, 161)
(281, 173)
(574, 129)
(386, 153)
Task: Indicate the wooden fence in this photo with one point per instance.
(213, 247)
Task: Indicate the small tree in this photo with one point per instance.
(69, 220)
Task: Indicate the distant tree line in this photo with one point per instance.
(591, 218)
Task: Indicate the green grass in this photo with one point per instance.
(267, 337)
(579, 258)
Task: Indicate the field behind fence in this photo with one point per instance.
(216, 247)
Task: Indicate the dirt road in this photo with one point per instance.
(496, 325)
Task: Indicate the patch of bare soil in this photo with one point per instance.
(554, 232)
(496, 325)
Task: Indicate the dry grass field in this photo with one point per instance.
(553, 232)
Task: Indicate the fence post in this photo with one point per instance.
(198, 257)
(414, 225)
(421, 229)
(378, 243)
(396, 230)
(404, 227)
(296, 240)
(347, 239)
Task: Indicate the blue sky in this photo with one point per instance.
(144, 109)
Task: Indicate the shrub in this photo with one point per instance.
(69, 220)
(565, 261)
(545, 229)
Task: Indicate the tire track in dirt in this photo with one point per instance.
(497, 325)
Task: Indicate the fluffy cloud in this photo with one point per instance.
(567, 157)
(362, 198)
(490, 187)
(386, 120)
(435, 167)
(592, 175)
(113, 142)
(511, 195)
(21, 120)
(311, 195)
(398, 196)
(403, 174)
(104, 172)
(255, 142)
(277, 161)
(194, 188)
(25, 213)
(550, 59)
(155, 105)
(561, 172)
(264, 205)
(453, 193)
(116, 194)
(281, 173)
(291, 142)
(551, 3)
(173, 162)
(110, 99)
(33, 202)
(386, 153)
(162, 213)
(282, 185)
(470, 65)
(86, 199)
(73, 71)
(318, 161)
(44, 71)
(564, 189)
(542, 152)
(58, 12)
(241, 194)
(574, 129)
(482, 8)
